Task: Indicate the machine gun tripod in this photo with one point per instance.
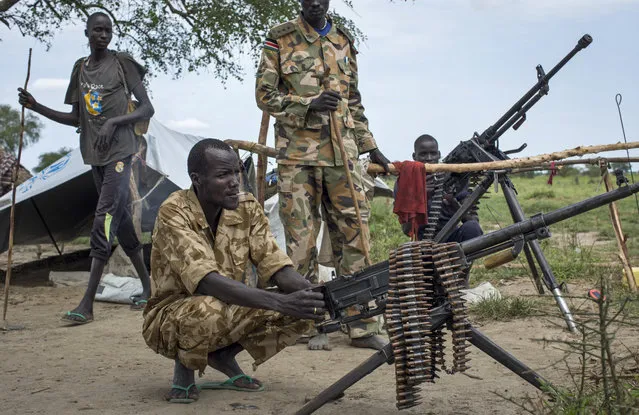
(485, 148)
(375, 285)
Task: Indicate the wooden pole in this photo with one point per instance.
(351, 187)
(262, 159)
(621, 238)
(14, 177)
(595, 161)
(542, 159)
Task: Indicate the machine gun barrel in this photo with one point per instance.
(371, 284)
(540, 221)
(518, 111)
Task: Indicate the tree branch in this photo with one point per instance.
(7, 4)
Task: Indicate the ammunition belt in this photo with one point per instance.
(417, 270)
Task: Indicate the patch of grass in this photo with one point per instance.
(534, 195)
(541, 194)
(505, 308)
(481, 274)
(386, 232)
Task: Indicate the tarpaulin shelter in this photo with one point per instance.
(57, 204)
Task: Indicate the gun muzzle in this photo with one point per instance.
(584, 41)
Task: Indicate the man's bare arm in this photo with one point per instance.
(67, 118)
(144, 110)
(304, 304)
(288, 280)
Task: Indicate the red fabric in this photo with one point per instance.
(553, 172)
(411, 205)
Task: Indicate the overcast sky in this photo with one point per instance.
(443, 67)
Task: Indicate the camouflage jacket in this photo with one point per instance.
(296, 65)
(185, 250)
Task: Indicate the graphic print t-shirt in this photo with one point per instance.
(98, 88)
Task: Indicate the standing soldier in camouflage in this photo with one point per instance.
(309, 69)
(201, 312)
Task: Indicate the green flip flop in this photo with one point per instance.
(229, 384)
(138, 304)
(182, 400)
(74, 322)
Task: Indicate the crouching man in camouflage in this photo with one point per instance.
(201, 312)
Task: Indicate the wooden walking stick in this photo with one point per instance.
(262, 159)
(14, 178)
(616, 225)
(349, 178)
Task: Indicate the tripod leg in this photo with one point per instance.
(383, 356)
(483, 343)
(469, 202)
(533, 269)
(438, 317)
(518, 215)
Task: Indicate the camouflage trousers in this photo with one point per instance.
(308, 193)
(191, 328)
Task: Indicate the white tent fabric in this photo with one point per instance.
(58, 203)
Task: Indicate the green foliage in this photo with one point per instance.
(494, 213)
(565, 171)
(621, 166)
(590, 171)
(10, 129)
(505, 308)
(46, 159)
(386, 233)
(169, 36)
(541, 194)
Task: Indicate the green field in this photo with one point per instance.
(570, 253)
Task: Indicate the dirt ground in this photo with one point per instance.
(105, 368)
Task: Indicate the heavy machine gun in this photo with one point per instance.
(418, 307)
(484, 147)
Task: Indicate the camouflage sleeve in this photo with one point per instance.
(365, 140)
(265, 254)
(186, 252)
(287, 108)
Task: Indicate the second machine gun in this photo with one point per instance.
(434, 307)
(484, 147)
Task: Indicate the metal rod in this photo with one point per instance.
(618, 99)
(45, 226)
(468, 203)
(384, 355)
(533, 269)
(14, 178)
(517, 214)
(438, 316)
(483, 343)
(547, 219)
(621, 238)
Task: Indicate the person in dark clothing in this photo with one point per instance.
(99, 95)
(427, 151)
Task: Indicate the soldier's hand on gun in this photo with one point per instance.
(26, 99)
(304, 304)
(327, 101)
(378, 157)
(105, 135)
